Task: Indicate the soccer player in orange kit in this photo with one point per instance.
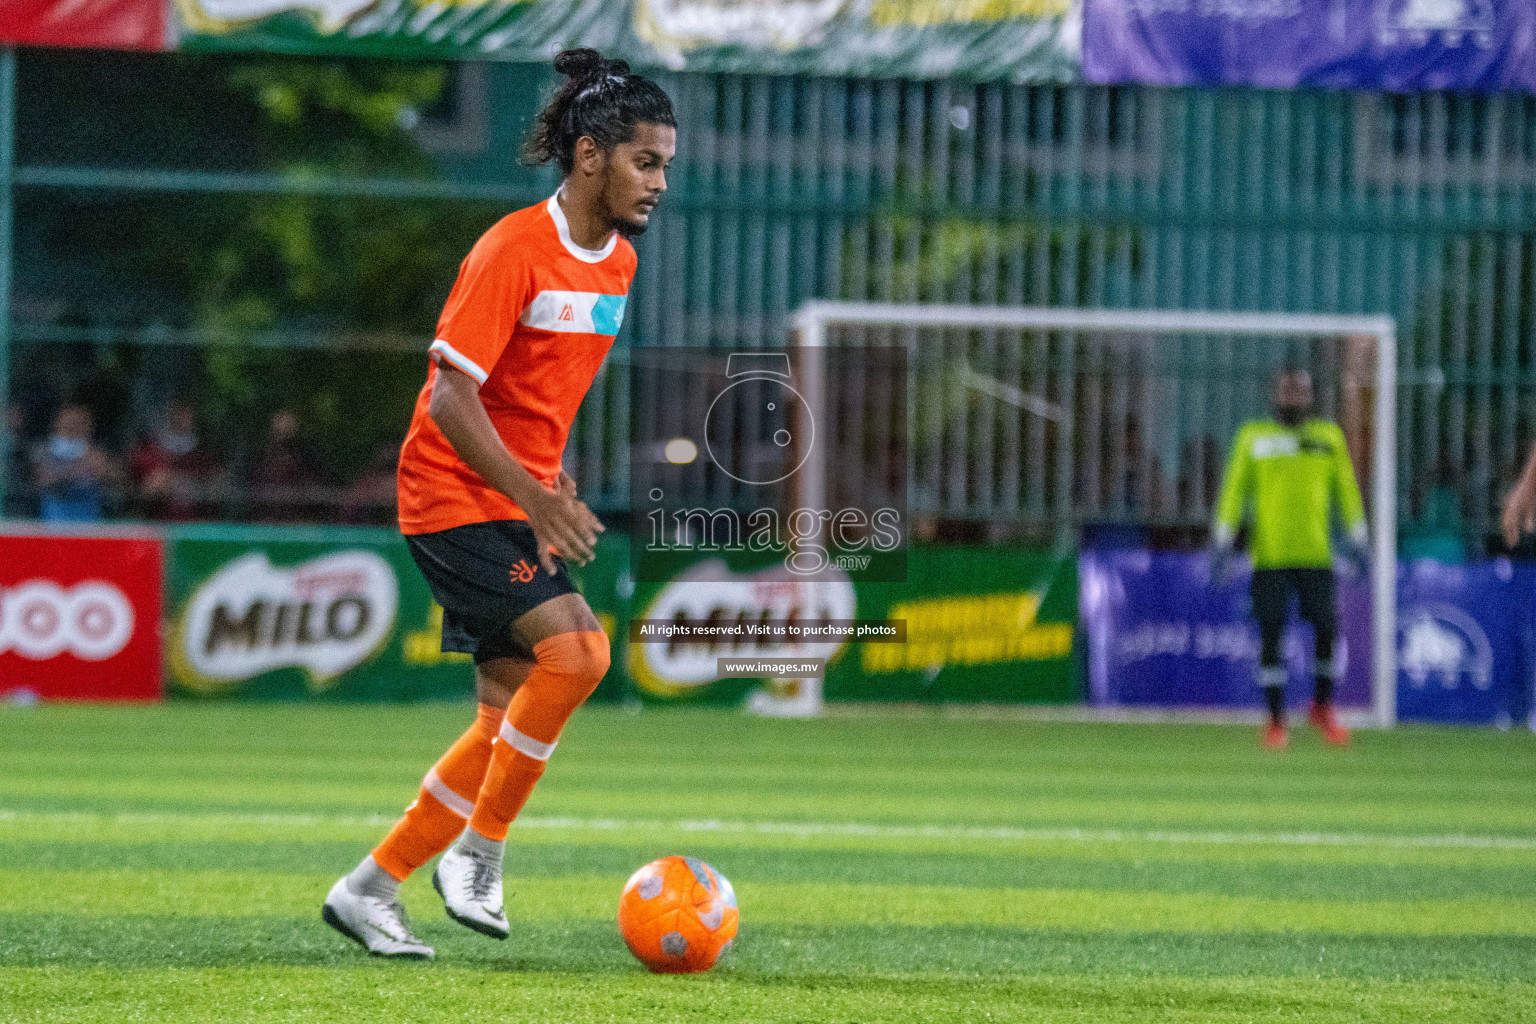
(488, 513)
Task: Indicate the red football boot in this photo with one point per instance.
(1276, 737)
(1326, 722)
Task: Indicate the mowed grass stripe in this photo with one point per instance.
(1316, 877)
(136, 942)
(384, 992)
(237, 893)
(831, 793)
(709, 764)
(208, 824)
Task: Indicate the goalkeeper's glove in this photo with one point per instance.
(1357, 556)
(1222, 569)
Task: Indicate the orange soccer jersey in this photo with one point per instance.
(531, 317)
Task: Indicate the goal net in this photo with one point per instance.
(1106, 427)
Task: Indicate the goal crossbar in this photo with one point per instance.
(813, 318)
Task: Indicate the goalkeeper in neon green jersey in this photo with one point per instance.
(1294, 470)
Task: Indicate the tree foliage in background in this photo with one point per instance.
(233, 267)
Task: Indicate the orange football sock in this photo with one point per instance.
(568, 667)
(446, 800)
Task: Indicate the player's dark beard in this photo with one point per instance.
(628, 228)
(624, 226)
(1291, 415)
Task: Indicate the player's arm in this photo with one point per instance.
(1520, 504)
(1346, 491)
(1235, 486)
(557, 518)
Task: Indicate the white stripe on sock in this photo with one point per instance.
(1272, 676)
(447, 797)
(525, 744)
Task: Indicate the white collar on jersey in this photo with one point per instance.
(563, 227)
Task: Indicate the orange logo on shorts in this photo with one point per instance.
(522, 572)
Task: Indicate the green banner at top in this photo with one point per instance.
(992, 40)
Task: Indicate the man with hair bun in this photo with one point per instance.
(488, 513)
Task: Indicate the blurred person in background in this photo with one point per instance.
(72, 473)
(1130, 500)
(19, 500)
(173, 475)
(372, 497)
(1294, 469)
(1437, 530)
(286, 481)
(1194, 492)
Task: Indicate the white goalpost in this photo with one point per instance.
(820, 324)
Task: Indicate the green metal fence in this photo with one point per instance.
(792, 188)
(1415, 206)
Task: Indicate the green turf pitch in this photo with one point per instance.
(168, 864)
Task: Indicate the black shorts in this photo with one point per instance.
(486, 575)
(1271, 591)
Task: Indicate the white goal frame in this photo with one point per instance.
(812, 320)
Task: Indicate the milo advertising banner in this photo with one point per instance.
(968, 624)
(334, 613)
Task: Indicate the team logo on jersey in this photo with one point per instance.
(576, 312)
(1269, 446)
(327, 615)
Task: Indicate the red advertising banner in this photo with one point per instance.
(103, 24)
(80, 616)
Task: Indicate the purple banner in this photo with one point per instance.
(1462, 640)
(1159, 633)
(1392, 45)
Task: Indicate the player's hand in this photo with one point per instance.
(1357, 559)
(565, 485)
(1519, 513)
(564, 524)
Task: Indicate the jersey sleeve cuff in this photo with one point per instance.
(440, 349)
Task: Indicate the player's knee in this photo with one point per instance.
(579, 659)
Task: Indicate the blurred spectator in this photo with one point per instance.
(1438, 527)
(1199, 476)
(173, 475)
(20, 502)
(71, 472)
(371, 498)
(1141, 485)
(286, 483)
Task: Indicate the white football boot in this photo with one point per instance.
(470, 884)
(379, 926)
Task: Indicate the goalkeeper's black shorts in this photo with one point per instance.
(1315, 594)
